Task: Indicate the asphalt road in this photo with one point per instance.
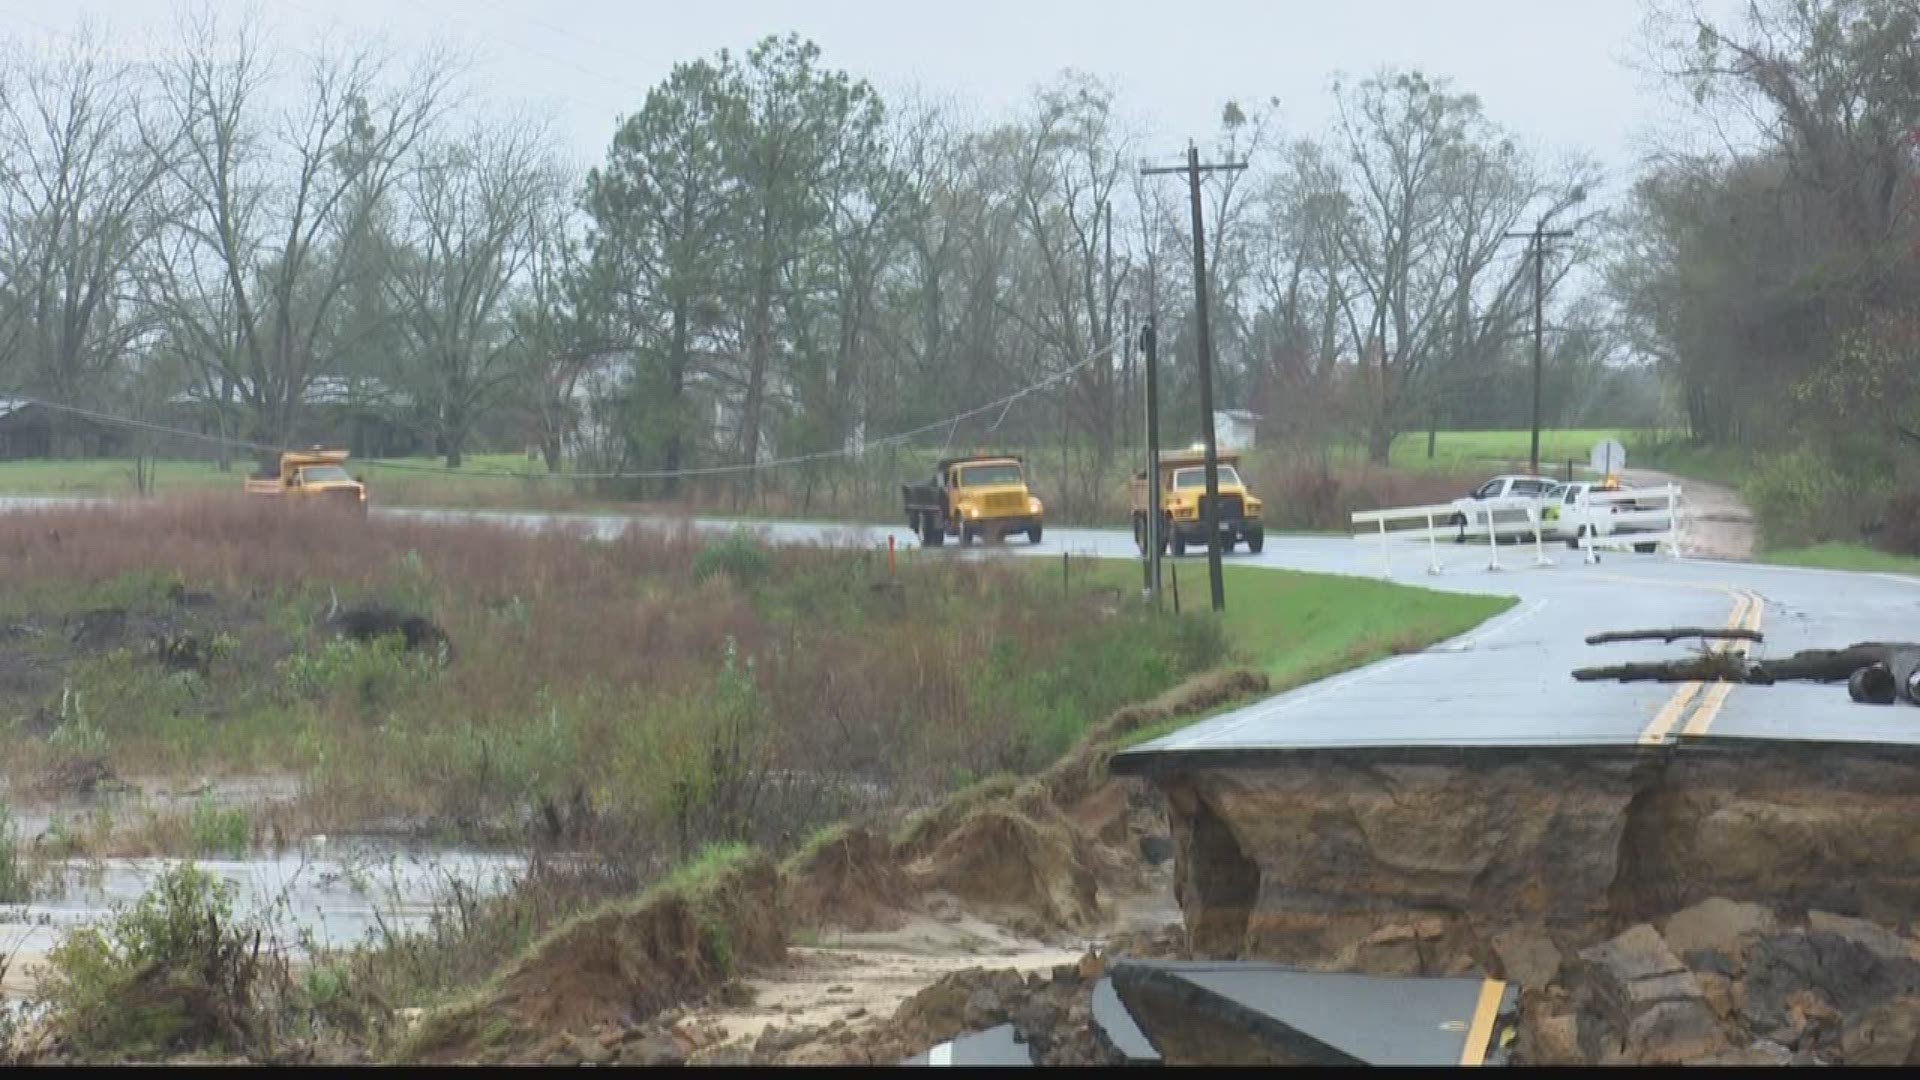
(1506, 683)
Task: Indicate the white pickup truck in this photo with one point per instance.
(1568, 513)
(1503, 500)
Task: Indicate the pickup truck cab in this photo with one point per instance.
(1183, 488)
(1493, 501)
(972, 498)
(1569, 512)
(313, 476)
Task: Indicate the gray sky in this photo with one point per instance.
(1553, 71)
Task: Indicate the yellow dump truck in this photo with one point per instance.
(1183, 490)
(981, 497)
(318, 476)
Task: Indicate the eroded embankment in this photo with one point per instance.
(1414, 860)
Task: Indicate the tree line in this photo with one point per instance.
(771, 260)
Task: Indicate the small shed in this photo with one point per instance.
(1234, 429)
(29, 429)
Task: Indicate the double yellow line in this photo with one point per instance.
(1748, 608)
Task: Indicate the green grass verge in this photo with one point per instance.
(1463, 449)
(1298, 627)
(1837, 555)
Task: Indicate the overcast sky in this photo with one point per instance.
(1556, 72)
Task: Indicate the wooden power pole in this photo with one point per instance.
(1193, 168)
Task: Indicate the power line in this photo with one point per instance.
(1001, 403)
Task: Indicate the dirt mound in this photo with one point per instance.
(849, 879)
(1019, 863)
(1084, 769)
(628, 960)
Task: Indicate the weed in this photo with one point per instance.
(16, 884)
(738, 554)
(173, 972)
(217, 830)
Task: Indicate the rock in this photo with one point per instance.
(1674, 1032)
(780, 1040)
(856, 1013)
(722, 1055)
(1717, 991)
(1850, 977)
(1716, 925)
(1762, 1052)
(653, 1051)
(737, 995)
(592, 1051)
(1550, 1038)
(1711, 962)
(1875, 938)
(1091, 967)
(1887, 1035)
(839, 989)
(1527, 956)
(984, 1009)
(1633, 972)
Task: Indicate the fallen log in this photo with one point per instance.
(1674, 634)
(1876, 672)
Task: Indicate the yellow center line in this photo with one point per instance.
(1480, 1031)
(1662, 724)
(1703, 718)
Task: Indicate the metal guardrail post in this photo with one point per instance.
(1433, 547)
(1386, 555)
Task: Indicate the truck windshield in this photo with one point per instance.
(989, 475)
(1197, 478)
(324, 474)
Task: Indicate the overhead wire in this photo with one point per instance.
(951, 423)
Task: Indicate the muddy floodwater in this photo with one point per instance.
(333, 891)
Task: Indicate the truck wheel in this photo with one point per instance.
(1033, 534)
(1179, 546)
(1140, 533)
(1574, 540)
(1255, 542)
(966, 536)
(931, 534)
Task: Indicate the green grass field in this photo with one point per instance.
(1501, 449)
(1843, 556)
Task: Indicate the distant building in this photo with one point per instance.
(365, 415)
(28, 429)
(1234, 429)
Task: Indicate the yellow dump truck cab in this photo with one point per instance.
(1183, 490)
(317, 475)
(972, 498)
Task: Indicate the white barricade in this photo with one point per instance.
(1638, 516)
(1492, 518)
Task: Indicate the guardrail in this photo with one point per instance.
(1492, 518)
(1660, 524)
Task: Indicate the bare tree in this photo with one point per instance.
(470, 206)
(275, 203)
(75, 210)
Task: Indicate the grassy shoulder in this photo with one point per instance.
(1837, 555)
(1298, 627)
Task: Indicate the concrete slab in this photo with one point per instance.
(1310, 1018)
(997, 1046)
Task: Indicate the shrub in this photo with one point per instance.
(16, 886)
(738, 555)
(371, 673)
(171, 973)
(1799, 497)
(216, 830)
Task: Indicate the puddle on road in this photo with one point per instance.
(337, 891)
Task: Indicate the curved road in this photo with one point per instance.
(1506, 682)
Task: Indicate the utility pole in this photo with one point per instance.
(1211, 506)
(1150, 528)
(1536, 240)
